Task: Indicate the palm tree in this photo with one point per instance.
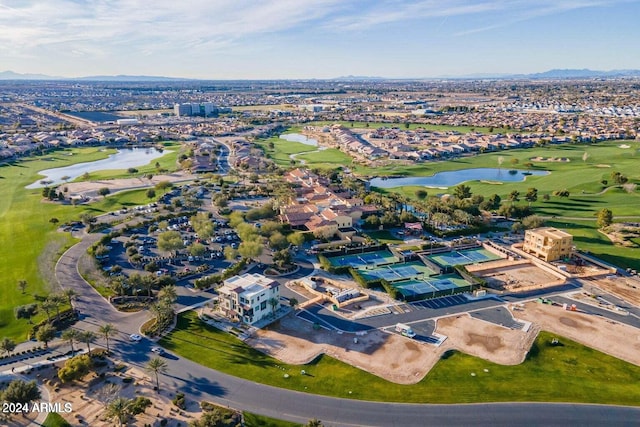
(56, 300)
(70, 294)
(88, 337)
(157, 366)
(274, 304)
(107, 330)
(119, 409)
(168, 293)
(71, 336)
(48, 305)
(7, 345)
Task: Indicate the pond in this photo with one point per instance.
(452, 178)
(297, 137)
(123, 159)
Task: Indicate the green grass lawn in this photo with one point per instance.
(567, 373)
(254, 420)
(282, 149)
(55, 420)
(331, 158)
(26, 233)
(384, 236)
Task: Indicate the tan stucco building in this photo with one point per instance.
(548, 243)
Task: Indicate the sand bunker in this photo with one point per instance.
(550, 159)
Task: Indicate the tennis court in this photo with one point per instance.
(469, 256)
(430, 286)
(396, 272)
(363, 259)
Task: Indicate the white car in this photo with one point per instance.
(158, 350)
(135, 337)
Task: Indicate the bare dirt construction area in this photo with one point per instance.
(486, 340)
(514, 275)
(389, 356)
(90, 189)
(617, 339)
(89, 396)
(626, 288)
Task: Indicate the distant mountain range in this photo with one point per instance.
(551, 74)
(10, 75)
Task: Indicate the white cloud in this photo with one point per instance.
(144, 24)
(390, 11)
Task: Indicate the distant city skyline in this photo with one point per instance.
(281, 39)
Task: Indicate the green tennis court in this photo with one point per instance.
(396, 272)
(363, 259)
(468, 256)
(430, 286)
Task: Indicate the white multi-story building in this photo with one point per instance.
(182, 110)
(206, 109)
(249, 298)
(209, 109)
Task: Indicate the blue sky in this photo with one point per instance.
(267, 39)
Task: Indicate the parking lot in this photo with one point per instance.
(499, 316)
(442, 302)
(143, 242)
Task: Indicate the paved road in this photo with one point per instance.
(200, 383)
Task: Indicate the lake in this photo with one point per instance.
(452, 178)
(296, 137)
(123, 159)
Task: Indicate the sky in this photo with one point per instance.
(299, 39)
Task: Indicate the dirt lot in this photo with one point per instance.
(515, 275)
(617, 339)
(486, 340)
(391, 356)
(627, 288)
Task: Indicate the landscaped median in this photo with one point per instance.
(568, 372)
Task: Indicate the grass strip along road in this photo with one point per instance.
(569, 372)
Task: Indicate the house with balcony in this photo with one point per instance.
(249, 298)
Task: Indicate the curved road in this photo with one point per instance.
(201, 383)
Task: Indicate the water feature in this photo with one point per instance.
(451, 178)
(297, 137)
(123, 159)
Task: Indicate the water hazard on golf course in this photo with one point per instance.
(452, 178)
(122, 159)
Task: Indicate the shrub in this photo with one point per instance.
(75, 368)
(179, 401)
(139, 405)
